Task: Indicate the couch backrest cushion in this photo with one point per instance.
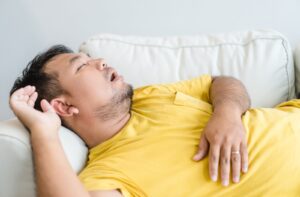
(261, 59)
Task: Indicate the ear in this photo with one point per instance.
(62, 108)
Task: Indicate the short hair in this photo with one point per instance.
(46, 84)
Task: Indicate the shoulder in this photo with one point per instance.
(105, 193)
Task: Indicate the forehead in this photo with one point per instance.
(60, 61)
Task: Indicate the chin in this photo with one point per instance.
(120, 103)
(128, 92)
(123, 94)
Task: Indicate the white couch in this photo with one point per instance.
(262, 59)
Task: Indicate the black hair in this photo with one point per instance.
(46, 84)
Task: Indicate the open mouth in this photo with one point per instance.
(113, 76)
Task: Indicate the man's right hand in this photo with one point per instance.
(43, 124)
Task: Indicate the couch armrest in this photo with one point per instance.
(16, 167)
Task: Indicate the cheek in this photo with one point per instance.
(93, 92)
(89, 90)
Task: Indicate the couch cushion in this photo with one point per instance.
(16, 157)
(261, 59)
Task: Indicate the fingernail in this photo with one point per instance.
(245, 169)
(214, 178)
(225, 182)
(236, 179)
(196, 157)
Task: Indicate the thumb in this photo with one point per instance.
(46, 106)
(203, 149)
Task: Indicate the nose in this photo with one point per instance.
(99, 63)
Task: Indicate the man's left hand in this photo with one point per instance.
(224, 140)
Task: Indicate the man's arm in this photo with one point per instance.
(54, 175)
(223, 138)
(228, 92)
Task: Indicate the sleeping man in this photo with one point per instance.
(153, 141)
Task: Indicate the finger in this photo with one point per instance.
(46, 106)
(28, 90)
(17, 93)
(32, 99)
(214, 153)
(235, 163)
(16, 97)
(225, 164)
(203, 148)
(25, 98)
(20, 93)
(244, 157)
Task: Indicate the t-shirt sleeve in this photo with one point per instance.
(198, 87)
(294, 103)
(96, 179)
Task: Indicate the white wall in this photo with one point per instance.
(29, 26)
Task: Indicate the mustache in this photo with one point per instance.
(107, 73)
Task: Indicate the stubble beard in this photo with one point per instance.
(120, 104)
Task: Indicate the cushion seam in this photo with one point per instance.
(21, 142)
(286, 68)
(188, 46)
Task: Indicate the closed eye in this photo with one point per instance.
(80, 67)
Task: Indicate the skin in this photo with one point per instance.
(224, 134)
(87, 107)
(89, 88)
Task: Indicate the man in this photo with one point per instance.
(140, 146)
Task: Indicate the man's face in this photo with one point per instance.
(92, 86)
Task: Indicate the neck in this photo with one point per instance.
(94, 132)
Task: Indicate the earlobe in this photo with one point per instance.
(62, 108)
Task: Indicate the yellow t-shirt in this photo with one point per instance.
(152, 155)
